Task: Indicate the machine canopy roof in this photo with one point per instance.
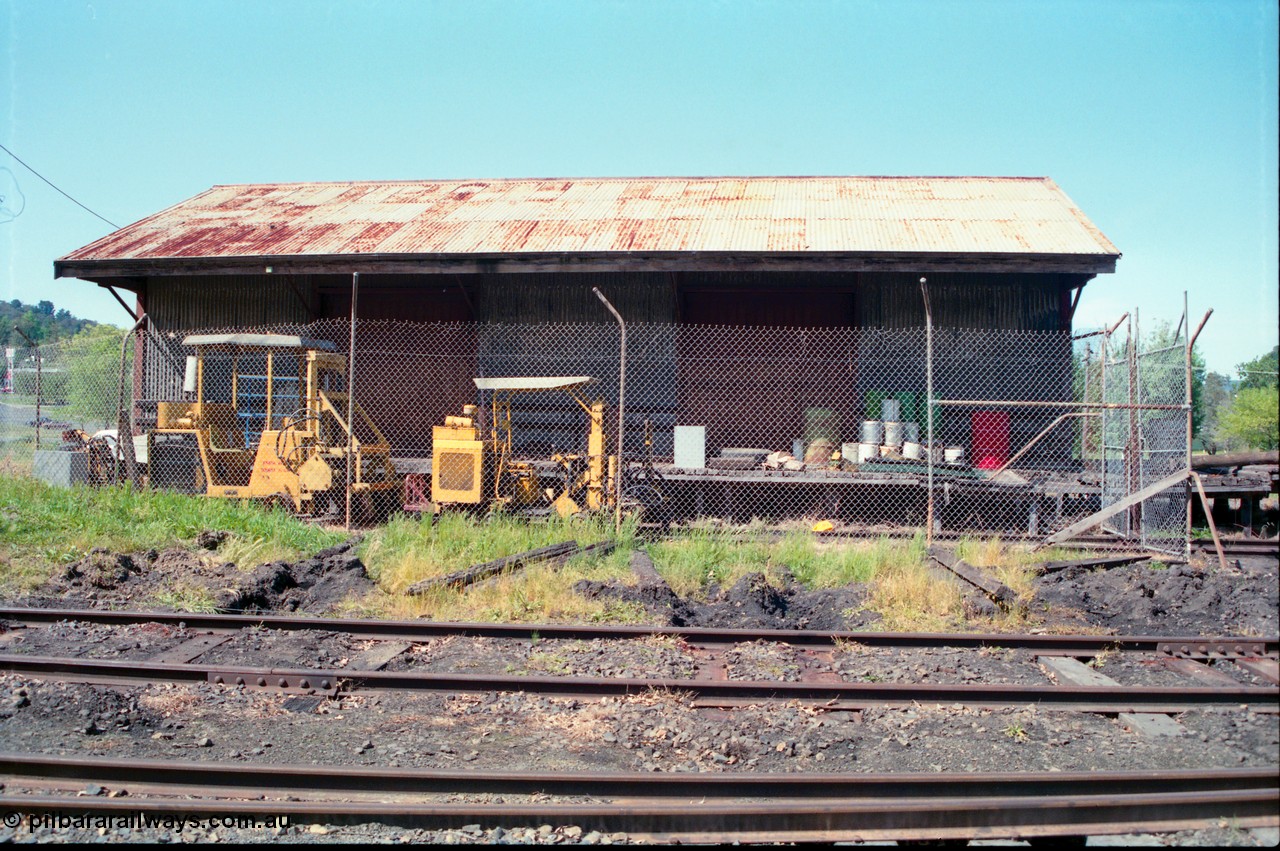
(535, 382)
(260, 341)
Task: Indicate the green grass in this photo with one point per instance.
(185, 598)
(692, 561)
(407, 550)
(42, 526)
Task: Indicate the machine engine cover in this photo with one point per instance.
(315, 475)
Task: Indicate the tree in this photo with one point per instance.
(91, 362)
(1217, 397)
(41, 322)
(1164, 373)
(1261, 371)
(1253, 420)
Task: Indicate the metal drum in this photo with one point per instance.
(872, 432)
(890, 410)
(893, 433)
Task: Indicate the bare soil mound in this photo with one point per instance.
(311, 585)
(751, 603)
(1182, 598)
(157, 579)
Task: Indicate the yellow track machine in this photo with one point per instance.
(471, 469)
(267, 420)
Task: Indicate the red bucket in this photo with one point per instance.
(990, 439)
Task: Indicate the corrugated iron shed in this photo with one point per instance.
(471, 220)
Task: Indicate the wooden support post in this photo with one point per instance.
(1112, 510)
(477, 572)
(1208, 514)
(999, 593)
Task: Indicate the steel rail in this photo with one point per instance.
(271, 779)
(424, 630)
(1238, 546)
(935, 818)
(1106, 699)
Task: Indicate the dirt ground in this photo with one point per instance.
(659, 731)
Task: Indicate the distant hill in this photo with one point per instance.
(41, 322)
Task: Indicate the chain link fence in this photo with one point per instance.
(1019, 434)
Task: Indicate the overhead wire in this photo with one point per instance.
(64, 194)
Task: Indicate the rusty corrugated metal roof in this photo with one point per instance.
(981, 215)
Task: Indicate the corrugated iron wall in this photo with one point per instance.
(1007, 302)
(557, 297)
(229, 301)
(880, 299)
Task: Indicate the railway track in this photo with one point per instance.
(694, 806)
(816, 682)
(751, 806)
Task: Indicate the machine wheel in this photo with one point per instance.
(277, 502)
(644, 501)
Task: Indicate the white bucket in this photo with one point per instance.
(911, 432)
(890, 409)
(849, 452)
(892, 433)
(954, 455)
(872, 431)
(868, 452)
(912, 450)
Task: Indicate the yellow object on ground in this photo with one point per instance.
(823, 526)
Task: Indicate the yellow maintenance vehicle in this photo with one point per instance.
(266, 419)
(469, 468)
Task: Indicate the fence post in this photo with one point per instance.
(124, 421)
(1191, 341)
(928, 405)
(351, 390)
(622, 386)
(35, 349)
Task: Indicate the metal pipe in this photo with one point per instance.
(124, 423)
(1033, 441)
(39, 359)
(351, 390)
(1105, 332)
(622, 386)
(1130, 444)
(1084, 397)
(1199, 328)
(1009, 403)
(1191, 342)
(1103, 469)
(928, 401)
(1186, 318)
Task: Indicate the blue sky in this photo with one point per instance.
(1158, 118)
